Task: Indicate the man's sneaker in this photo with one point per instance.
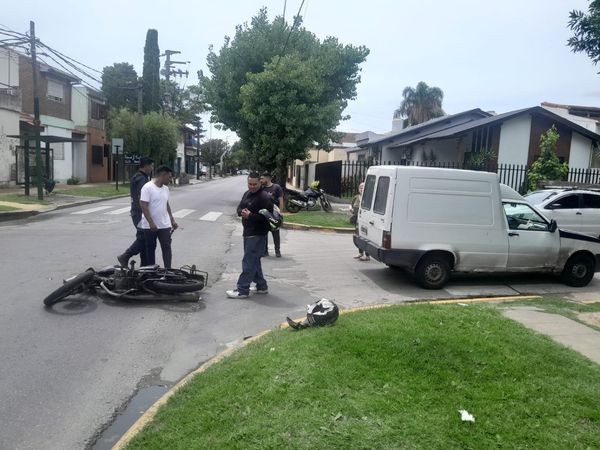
(278, 253)
(254, 290)
(123, 260)
(235, 294)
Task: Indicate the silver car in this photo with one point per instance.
(573, 209)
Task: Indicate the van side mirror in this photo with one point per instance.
(553, 226)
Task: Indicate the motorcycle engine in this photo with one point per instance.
(121, 282)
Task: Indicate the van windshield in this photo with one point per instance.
(367, 197)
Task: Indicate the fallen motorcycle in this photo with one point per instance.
(296, 200)
(146, 283)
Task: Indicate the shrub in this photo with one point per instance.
(547, 167)
(73, 180)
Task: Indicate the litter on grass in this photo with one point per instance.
(465, 416)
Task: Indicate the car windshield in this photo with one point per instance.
(535, 198)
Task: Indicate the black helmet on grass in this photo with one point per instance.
(318, 314)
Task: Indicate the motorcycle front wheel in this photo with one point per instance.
(70, 287)
(326, 205)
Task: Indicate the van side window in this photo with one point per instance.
(381, 195)
(367, 197)
(523, 217)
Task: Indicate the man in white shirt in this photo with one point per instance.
(157, 220)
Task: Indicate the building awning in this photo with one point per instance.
(46, 139)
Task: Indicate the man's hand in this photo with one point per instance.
(174, 225)
(246, 213)
(153, 226)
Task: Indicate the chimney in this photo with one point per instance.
(399, 124)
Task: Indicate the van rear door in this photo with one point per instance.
(376, 206)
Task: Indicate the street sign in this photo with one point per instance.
(117, 146)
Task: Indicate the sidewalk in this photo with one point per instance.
(567, 332)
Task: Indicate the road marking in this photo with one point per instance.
(182, 213)
(119, 211)
(92, 210)
(211, 216)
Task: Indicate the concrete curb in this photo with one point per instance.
(299, 226)
(16, 215)
(151, 412)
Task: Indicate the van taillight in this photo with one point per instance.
(386, 242)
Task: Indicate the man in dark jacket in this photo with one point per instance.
(256, 228)
(139, 179)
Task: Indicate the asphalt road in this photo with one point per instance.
(65, 371)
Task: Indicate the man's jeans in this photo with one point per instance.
(164, 237)
(254, 248)
(138, 246)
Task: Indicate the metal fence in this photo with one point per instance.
(341, 178)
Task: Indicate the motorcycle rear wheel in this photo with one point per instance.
(292, 207)
(166, 287)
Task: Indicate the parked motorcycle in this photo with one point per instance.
(296, 200)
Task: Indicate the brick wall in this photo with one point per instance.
(48, 107)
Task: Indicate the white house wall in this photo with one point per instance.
(514, 140)
(9, 68)
(9, 125)
(581, 149)
(63, 154)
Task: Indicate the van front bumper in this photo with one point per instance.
(406, 259)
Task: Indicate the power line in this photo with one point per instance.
(296, 20)
(68, 57)
(70, 64)
(66, 70)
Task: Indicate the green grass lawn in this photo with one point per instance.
(4, 208)
(104, 190)
(388, 379)
(320, 218)
(21, 198)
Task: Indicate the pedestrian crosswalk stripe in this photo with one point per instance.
(182, 213)
(119, 211)
(211, 216)
(92, 210)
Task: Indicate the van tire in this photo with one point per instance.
(433, 271)
(579, 270)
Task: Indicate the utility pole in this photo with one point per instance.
(168, 71)
(36, 113)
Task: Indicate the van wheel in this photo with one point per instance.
(579, 270)
(433, 272)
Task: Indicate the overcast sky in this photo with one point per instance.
(496, 56)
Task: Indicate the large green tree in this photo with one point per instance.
(586, 31)
(420, 104)
(211, 152)
(155, 136)
(151, 73)
(119, 85)
(186, 104)
(286, 67)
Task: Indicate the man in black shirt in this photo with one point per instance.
(139, 179)
(276, 194)
(256, 228)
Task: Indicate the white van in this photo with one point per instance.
(436, 221)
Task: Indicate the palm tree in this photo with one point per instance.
(420, 104)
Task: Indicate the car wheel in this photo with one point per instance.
(433, 271)
(579, 270)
